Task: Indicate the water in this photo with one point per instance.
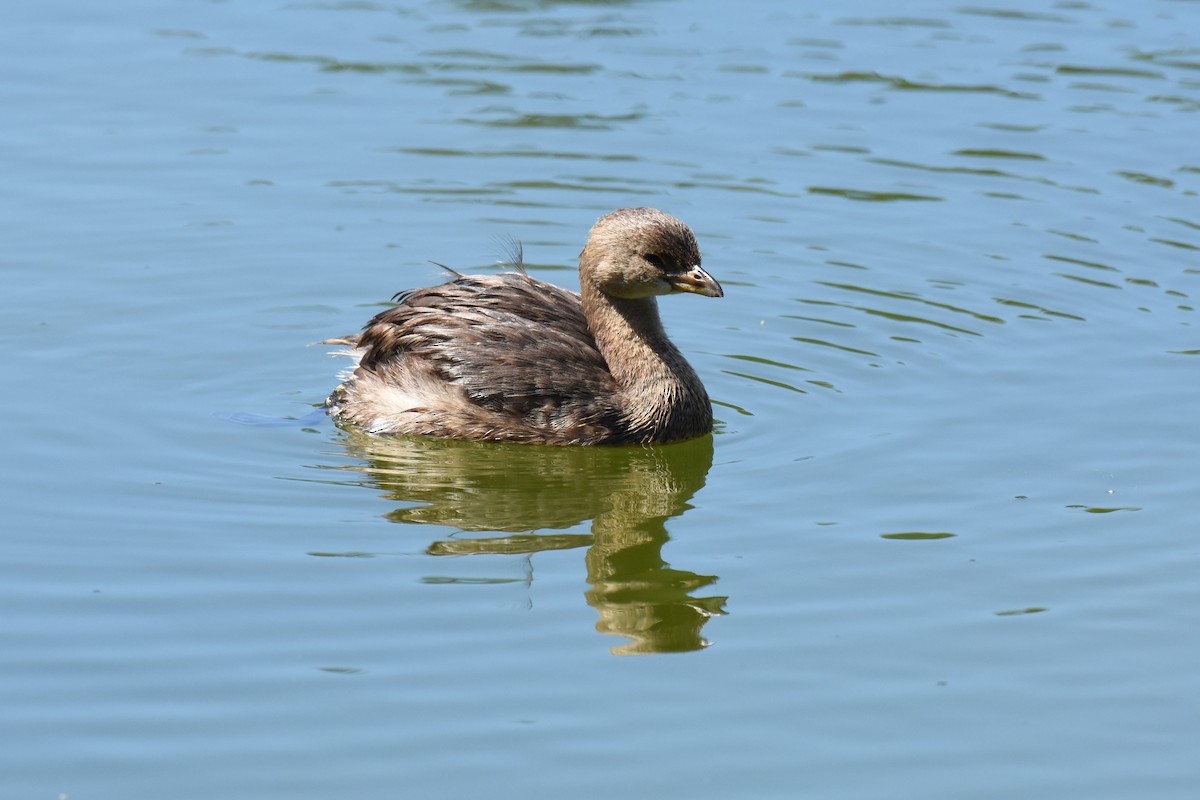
(940, 546)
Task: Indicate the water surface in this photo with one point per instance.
(940, 545)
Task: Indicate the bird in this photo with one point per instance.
(510, 358)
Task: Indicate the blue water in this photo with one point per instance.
(940, 546)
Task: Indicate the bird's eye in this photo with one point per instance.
(656, 261)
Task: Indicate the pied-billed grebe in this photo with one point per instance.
(511, 358)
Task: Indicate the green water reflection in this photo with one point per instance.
(627, 493)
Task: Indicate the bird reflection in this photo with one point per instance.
(628, 493)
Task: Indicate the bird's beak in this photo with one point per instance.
(696, 281)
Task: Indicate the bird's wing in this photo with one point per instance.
(515, 345)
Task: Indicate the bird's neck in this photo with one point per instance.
(661, 389)
(630, 336)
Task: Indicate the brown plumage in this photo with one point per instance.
(511, 358)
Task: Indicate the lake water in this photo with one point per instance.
(942, 545)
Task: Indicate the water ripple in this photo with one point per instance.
(900, 83)
(997, 153)
(767, 381)
(1179, 57)
(1010, 13)
(868, 196)
(1041, 310)
(982, 171)
(586, 121)
(1126, 72)
(895, 22)
(552, 154)
(912, 298)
